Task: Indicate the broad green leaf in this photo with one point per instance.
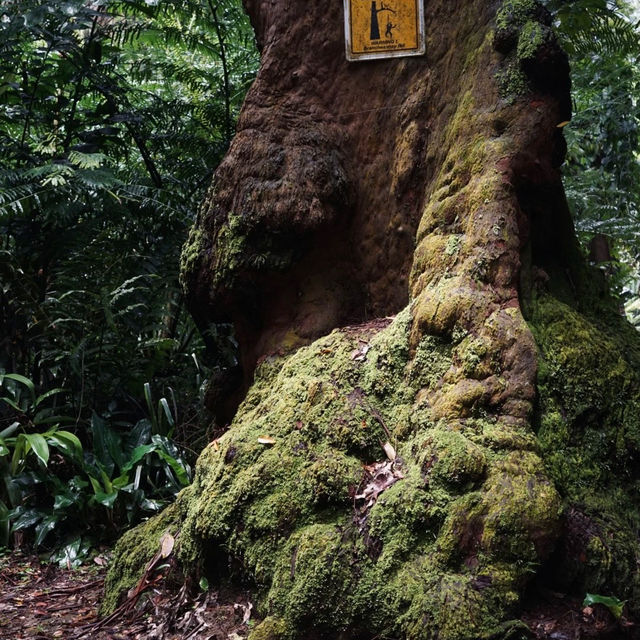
(18, 378)
(95, 484)
(152, 413)
(106, 499)
(12, 404)
(68, 443)
(47, 525)
(121, 481)
(139, 435)
(62, 501)
(17, 460)
(167, 412)
(137, 455)
(39, 446)
(106, 482)
(48, 394)
(178, 469)
(10, 430)
(107, 445)
(26, 519)
(611, 602)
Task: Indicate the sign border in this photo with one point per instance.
(354, 57)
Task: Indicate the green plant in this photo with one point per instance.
(113, 116)
(127, 472)
(611, 602)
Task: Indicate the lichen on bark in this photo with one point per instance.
(475, 411)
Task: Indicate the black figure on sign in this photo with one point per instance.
(388, 33)
(375, 29)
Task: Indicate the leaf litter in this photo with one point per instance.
(45, 602)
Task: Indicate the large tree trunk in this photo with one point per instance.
(391, 242)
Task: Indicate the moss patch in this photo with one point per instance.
(588, 424)
(135, 549)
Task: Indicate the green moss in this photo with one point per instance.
(312, 584)
(135, 549)
(533, 36)
(453, 245)
(522, 35)
(191, 254)
(432, 359)
(232, 249)
(270, 629)
(588, 428)
(512, 81)
(468, 503)
(515, 13)
(448, 456)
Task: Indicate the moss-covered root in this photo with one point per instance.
(135, 549)
(270, 629)
(443, 548)
(588, 423)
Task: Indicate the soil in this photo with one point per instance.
(45, 602)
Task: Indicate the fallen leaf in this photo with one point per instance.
(359, 355)
(389, 450)
(266, 440)
(245, 609)
(166, 544)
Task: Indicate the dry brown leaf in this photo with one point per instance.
(246, 610)
(266, 440)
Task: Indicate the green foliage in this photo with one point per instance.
(113, 116)
(588, 27)
(602, 172)
(127, 473)
(612, 603)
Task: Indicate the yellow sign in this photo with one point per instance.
(383, 29)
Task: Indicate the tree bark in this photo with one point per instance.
(446, 402)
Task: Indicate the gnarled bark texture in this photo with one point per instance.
(391, 242)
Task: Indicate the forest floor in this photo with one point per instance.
(45, 602)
